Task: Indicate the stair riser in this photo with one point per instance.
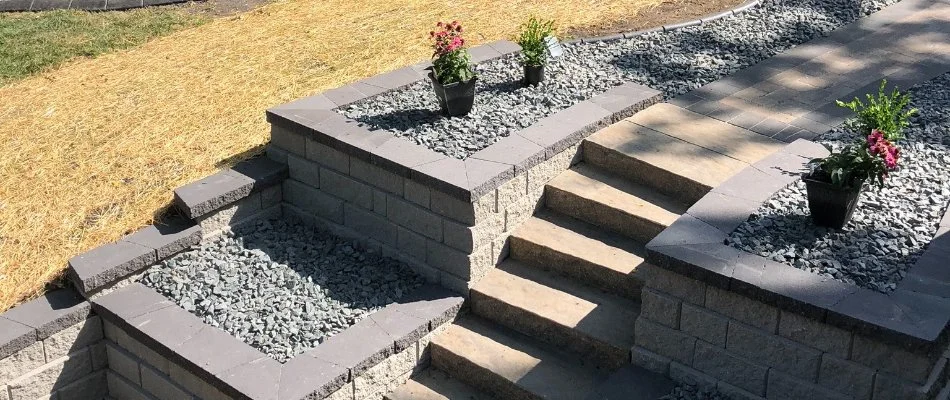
(543, 329)
(664, 181)
(602, 215)
(568, 265)
(476, 376)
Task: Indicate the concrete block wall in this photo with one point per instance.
(52, 349)
(702, 335)
(447, 240)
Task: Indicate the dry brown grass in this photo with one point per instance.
(91, 150)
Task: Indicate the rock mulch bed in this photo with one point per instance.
(281, 286)
(673, 62)
(686, 392)
(891, 226)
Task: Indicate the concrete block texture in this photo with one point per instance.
(773, 351)
(785, 387)
(660, 308)
(161, 386)
(51, 376)
(703, 324)
(732, 369)
(350, 190)
(327, 156)
(816, 334)
(742, 308)
(889, 358)
(650, 360)
(415, 218)
(92, 386)
(387, 375)
(123, 363)
(665, 341)
(22, 362)
(846, 377)
(683, 374)
(83, 334)
(676, 285)
(376, 176)
(300, 169)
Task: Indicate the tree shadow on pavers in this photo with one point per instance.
(343, 269)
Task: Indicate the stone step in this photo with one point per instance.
(673, 166)
(433, 384)
(576, 249)
(596, 325)
(602, 199)
(509, 365)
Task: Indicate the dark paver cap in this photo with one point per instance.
(51, 312)
(129, 302)
(108, 263)
(167, 237)
(14, 337)
(358, 347)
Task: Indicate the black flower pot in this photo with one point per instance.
(533, 74)
(830, 205)
(456, 99)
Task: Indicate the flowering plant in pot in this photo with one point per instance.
(835, 182)
(534, 49)
(453, 78)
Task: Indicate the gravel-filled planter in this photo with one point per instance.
(673, 62)
(281, 286)
(891, 227)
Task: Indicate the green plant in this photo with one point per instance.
(849, 168)
(886, 113)
(534, 50)
(451, 62)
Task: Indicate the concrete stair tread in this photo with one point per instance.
(668, 153)
(528, 368)
(590, 194)
(591, 312)
(433, 384)
(633, 198)
(581, 240)
(701, 130)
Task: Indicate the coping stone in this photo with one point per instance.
(129, 302)
(212, 193)
(447, 175)
(359, 347)
(167, 327)
(14, 337)
(514, 150)
(400, 156)
(433, 303)
(914, 316)
(403, 329)
(485, 176)
(262, 170)
(504, 46)
(215, 351)
(108, 263)
(308, 377)
(167, 237)
(51, 313)
(258, 379)
(480, 54)
(395, 79)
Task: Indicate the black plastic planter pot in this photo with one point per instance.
(533, 74)
(830, 205)
(456, 99)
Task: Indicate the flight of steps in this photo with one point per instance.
(556, 319)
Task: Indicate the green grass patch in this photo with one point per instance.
(33, 42)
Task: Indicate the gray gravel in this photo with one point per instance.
(891, 226)
(281, 286)
(673, 62)
(686, 392)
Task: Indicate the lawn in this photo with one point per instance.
(34, 42)
(92, 149)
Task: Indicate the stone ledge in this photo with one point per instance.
(226, 187)
(914, 316)
(38, 319)
(313, 118)
(243, 372)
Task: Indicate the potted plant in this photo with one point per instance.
(834, 183)
(453, 78)
(534, 50)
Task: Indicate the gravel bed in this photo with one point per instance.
(891, 226)
(673, 62)
(281, 286)
(686, 392)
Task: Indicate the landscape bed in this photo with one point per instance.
(892, 226)
(281, 286)
(673, 62)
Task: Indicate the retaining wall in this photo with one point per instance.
(448, 218)
(715, 316)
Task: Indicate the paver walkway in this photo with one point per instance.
(558, 317)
